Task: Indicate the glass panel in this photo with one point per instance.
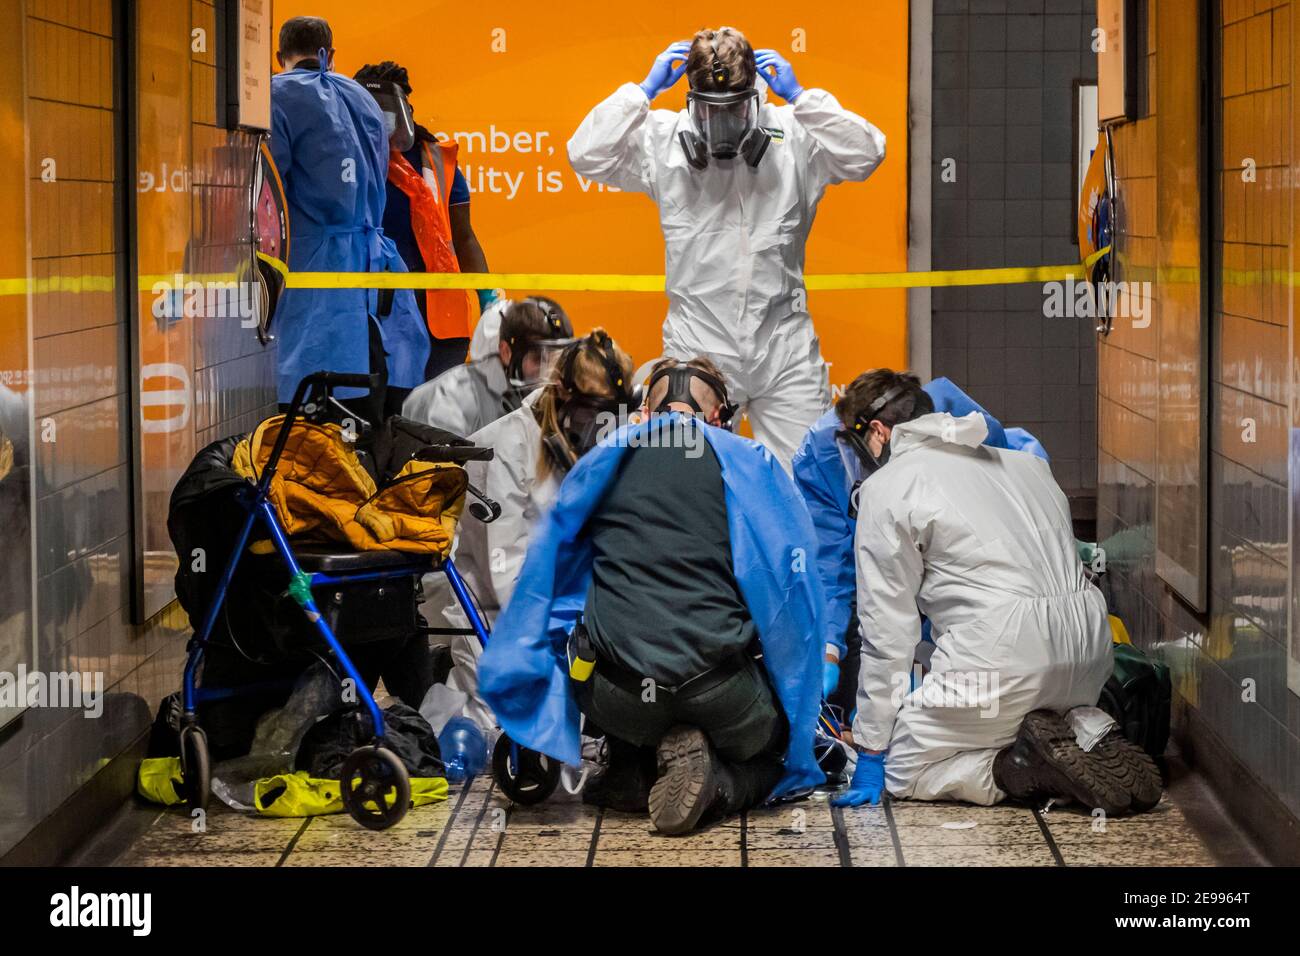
(16, 589)
(1181, 430)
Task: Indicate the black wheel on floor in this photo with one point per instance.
(196, 767)
(534, 778)
(375, 787)
(830, 756)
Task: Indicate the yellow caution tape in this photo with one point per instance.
(566, 282)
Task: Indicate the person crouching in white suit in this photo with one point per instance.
(980, 540)
(588, 396)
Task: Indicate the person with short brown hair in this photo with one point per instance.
(737, 181)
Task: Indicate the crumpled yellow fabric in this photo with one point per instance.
(159, 780)
(298, 795)
(321, 492)
(285, 795)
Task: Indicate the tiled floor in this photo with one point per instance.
(477, 826)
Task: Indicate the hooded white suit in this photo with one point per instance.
(979, 540)
(734, 241)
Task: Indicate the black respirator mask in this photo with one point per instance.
(585, 419)
(856, 437)
(399, 120)
(679, 390)
(725, 123)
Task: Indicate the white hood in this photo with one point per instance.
(487, 333)
(939, 428)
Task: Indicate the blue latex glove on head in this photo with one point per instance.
(868, 782)
(663, 74)
(781, 79)
(486, 297)
(830, 677)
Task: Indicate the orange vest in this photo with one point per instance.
(448, 310)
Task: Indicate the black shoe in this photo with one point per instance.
(689, 783)
(1045, 761)
(1132, 768)
(624, 783)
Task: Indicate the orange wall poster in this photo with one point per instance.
(511, 82)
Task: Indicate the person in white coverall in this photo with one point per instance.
(978, 539)
(734, 230)
(535, 445)
(509, 352)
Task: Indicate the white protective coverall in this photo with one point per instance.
(490, 555)
(978, 539)
(467, 397)
(734, 241)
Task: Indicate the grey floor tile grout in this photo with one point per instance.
(888, 804)
(595, 838)
(446, 828)
(1047, 835)
(293, 841)
(842, 845)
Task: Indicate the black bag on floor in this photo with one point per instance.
(1138, 695)
(408, 735)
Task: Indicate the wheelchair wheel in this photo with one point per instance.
(534, 779)
(375, 787)
(196, 767)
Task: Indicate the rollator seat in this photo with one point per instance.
(323, 559)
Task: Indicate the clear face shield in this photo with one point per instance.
(399, 120)
(533, 367)
(723, 120)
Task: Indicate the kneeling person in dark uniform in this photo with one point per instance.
(672, 557)
(676, 689)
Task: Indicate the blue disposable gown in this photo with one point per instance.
(523, 675)
(825, 481)
(330, 145)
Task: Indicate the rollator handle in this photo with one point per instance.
(485, 509)
(345, 380)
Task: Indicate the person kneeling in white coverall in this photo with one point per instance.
(737, 182)
(978, 539)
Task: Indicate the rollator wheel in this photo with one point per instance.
(830, 757)
(196, 767)
(534, 779)
(375, 786)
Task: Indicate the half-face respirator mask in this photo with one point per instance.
(585, 419)
(856, 436)
(679, 391)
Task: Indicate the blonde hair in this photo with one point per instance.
(590, 378)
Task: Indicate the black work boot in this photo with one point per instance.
(624, 784)
(689, 781)
(1131, 767)
(1045, 761)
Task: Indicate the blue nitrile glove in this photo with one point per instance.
(868, 782)
(781, 81)
(486, 297)
(830, 677)
(663, 74)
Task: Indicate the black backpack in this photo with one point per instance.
(1138, 695)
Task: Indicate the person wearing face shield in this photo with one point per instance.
(979, 540)
(829, 469)
(329, 141)
(428, 216)
(737, 182)
(467, 397)
(668, 571)
(536, 445)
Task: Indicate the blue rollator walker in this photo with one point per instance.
(375, 785)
